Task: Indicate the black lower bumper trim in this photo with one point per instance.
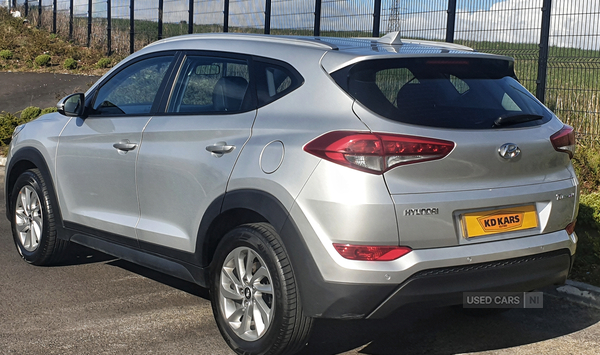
(445, 286)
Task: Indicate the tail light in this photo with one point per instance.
(376, 152)
(564, 140)
(371, 253)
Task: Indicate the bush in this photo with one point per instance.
(587, 260)
(70, 64)
(48, 110)
(42, 60)
(6, 54)
(589, 210)
(103, 63)
(8, 122)
(30, 113)
(587, 165)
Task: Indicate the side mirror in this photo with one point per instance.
(72, 105)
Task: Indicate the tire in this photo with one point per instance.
(33, 221)
(260, 312)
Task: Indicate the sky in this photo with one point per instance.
(576, 23)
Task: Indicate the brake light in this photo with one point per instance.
(376, 152)
(564, 140)
(371, 253)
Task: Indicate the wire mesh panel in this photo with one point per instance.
(46, 19)
(247, 16)
(208, 16)
(573, 86)
(175, 17)
(119, 26)
(347, 18)
(62, 17)
(415, 18)
(146, 23)
(293, 17)
(80, 13)
(99, 22)
(508, 28)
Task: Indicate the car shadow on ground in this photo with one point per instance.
(165, 279)
(447, 330)
(80, 255)
(411, 330)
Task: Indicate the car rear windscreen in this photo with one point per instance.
(455, 92)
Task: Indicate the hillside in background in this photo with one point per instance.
(26, 48)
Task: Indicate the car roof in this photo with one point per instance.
(335, 52)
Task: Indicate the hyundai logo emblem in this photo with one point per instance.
(509, 151)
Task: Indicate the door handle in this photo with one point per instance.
(220, 148)
(125, 145)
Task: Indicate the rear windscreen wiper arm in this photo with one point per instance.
(508, 120)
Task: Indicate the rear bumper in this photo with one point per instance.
(445, 286)
(439, 287)
(432, 277)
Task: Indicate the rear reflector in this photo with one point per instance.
(376, 152)
(571, 227)
(371, 253)
(564, 140)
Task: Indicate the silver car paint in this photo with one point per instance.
(95, 182)
(177, 178)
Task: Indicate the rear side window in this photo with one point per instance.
(275, 80)
(465, 93)
(207, 84)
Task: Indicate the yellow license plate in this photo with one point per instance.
(481, 223)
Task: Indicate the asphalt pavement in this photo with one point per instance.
(95, 304)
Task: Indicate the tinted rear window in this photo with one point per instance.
(465, 93)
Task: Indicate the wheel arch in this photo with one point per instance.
(240, 207)
(232, 210)
(21, 161)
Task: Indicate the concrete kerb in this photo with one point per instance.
(576, 292)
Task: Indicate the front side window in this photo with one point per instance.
(465, 93)
(211, 85)
(133, 90)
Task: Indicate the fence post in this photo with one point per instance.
(54, 16)
(108, 27)
(71, 20)
(376, 18)
(540, 92)
(317, 31)
(451, 23)
(26, 8)
(160, 18)
(39, 24)
(191, 17)
(268, 17)
(226, 16)
(131, 26)
(89, 30)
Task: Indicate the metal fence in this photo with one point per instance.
(556, 42)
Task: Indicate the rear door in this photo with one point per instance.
(188, 152)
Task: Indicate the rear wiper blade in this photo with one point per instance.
(508, 120)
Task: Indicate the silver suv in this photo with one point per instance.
(302, 178)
